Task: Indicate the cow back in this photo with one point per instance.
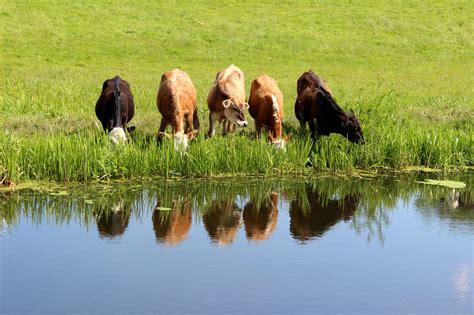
(176, 93)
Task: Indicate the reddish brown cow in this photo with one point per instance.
(266, 108)
(315, 103)
(177, 103)
(226, 100)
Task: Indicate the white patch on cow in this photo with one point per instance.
(279, 144)
(275, 108)
(242, 123)
(117, 135)
(180, 142)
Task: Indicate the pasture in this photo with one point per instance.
(404, 67)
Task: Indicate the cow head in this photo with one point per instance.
(354, 131)
(117, 135)
(181, 139)
(234, 112)
(279, 143)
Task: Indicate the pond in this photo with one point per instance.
(241, 246)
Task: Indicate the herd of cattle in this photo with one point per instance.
(177, 103)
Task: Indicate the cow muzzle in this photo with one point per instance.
(242, 123)
(117, 135)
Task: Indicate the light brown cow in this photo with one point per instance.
(226, 100)
(266, 108)
(177, 103)
(172, 227)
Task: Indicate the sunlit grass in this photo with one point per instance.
(408, 79)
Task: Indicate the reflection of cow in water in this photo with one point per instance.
(112, 222)
(222, 221)
(172, 227)
(260, 222)
(322, 214)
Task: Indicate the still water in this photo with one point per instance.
(367, 246)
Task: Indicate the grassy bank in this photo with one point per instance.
(403, 67)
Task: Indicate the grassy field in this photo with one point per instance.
(404, 67)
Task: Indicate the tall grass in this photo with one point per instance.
(89, 156)
(407, 79)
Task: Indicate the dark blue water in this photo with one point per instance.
(274, 248)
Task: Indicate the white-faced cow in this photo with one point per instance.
(226, 100)
(115, 108)
(177, 103)
(266, 108)
(315, 104)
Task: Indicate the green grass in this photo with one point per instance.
(404, 67)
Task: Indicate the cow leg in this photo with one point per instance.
(189, 123)
(302, 124)
(195, 119)
(162, 129)
(225, 126)
(312, 128)
(258, 128)
(212, 120)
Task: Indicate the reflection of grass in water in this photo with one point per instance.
(84, 203)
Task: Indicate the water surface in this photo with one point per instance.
(367, 246)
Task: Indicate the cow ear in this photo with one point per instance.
(287, 137)
(191, 135)
(246, 105)
(226, 103)
(351, 113)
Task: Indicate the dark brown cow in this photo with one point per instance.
(315, 103)
(112, 222)
(226, 100)
(260, 221)
(323, 213)
(172, 227)
(177, 103)
(115, 108)
(266, 108)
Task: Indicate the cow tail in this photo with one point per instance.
(118, 103)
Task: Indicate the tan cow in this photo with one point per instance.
(222, 221)
(266, 108)
(177, 103)
(226, 100)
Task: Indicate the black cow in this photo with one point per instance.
(315, 103)
(115, 108)
(323, 213)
